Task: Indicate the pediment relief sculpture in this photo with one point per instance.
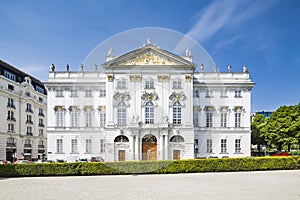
(149, 59)
(149, 96)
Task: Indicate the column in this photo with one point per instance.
(166, 147)
(137, 149)
(133, 147)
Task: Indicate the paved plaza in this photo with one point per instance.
(268, 185)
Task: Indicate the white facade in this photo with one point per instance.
(148, 104)
(23, 120)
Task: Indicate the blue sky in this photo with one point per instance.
(264, 35)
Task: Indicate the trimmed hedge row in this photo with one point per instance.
(151, 167)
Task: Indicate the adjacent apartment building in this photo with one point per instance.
(148, 104)
(24, 115)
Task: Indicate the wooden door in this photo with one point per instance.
(122, 155)
(176, 154)
(149, 151)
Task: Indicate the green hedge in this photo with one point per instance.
(151, 167)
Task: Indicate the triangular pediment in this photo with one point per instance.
(148, 55)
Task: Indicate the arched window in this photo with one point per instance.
(149, 113)
(121, 138)
(122, 113)
(176, 113)
(177, 138)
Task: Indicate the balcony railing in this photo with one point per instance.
(11, 105)
(41, 114)
(29, 134)
(27, 145)
(41, 125)
(9, 144)
(29, 122)
(11, 119)
(29, 110)
(41, 146)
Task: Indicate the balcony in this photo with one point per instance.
(29, 122)
(11, 119)
(29, 134)
(9, 105)
(41, 114)
(41, 125)
(29, 110)
(27, 146)
(41, 146)
(11, 144)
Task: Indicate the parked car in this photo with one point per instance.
(21, 161)
(5, 162)
(83, 160)
(281, 154)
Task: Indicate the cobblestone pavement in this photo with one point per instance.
(270, 185)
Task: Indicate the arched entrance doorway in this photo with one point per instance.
(149, 147)
(121, 144)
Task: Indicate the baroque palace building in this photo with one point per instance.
(24, 110)
(148, 104)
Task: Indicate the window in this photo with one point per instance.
(209, 119)
(149, 84)
(237, 119)
(102, 146)
(11, 87)
(10, 103)
(29, 131)
(237, 145)
(29, 119)
(41, 123)
(149, 113)
(74, 147)
(196, 93)
(102, 119)
(39, 89)
(41, 144)
(223, 146)
(29, 108)
(10, 128)
(88, 145)
(60, 119)
(73, 93)
(177, 113)
(209, 146)
(196, 119)
(59, 146)
(74, 119)
(238, 93)
(121, 113)
(10, 115)
(223, 119)
(59, 93)
(223, 93)
(177, 84)
(27, 94)
(102, 93)
(88, 93)
(41, 132)
(41, 112)
(10, 75)
(208, 93)
(27, 143)
(121, 84)
(88, 119)
(40, 99)
(177, 138)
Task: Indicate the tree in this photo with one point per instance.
(259, 121)
(283, 127)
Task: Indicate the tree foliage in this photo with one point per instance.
(281, 129)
